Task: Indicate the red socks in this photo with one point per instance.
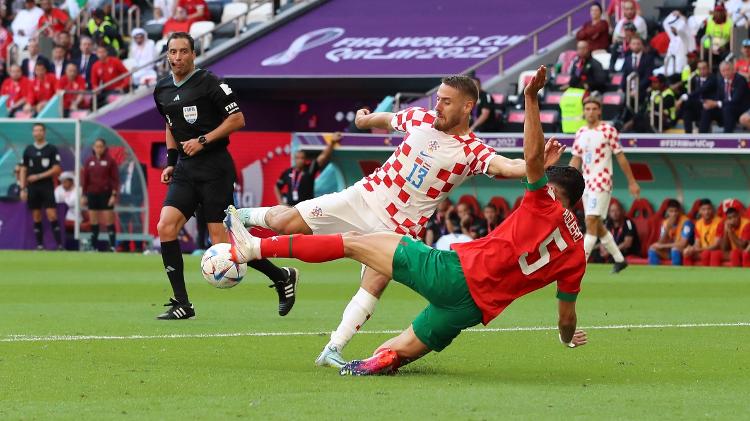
(308, 248)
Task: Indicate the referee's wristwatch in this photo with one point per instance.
(202, 140)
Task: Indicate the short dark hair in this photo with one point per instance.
(490, 206)
(593, 99)
(99, 139)
(732, 211)
(464, 84)
(570, 180)
(673, 203)
(40, 125)
(597, 4)
(181, 35)
(706, 201)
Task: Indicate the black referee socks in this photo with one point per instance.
(274, 273)
(171, 255)
(38, 233)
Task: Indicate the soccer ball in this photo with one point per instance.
(219, 269)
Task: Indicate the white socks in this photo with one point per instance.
(589, 241)
(608, 241)
(357, 312)
(253, 217)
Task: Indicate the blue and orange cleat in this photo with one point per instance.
(384, 362)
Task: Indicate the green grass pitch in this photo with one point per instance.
(78, 340)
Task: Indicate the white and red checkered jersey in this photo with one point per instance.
(423, 170)
(595, 147)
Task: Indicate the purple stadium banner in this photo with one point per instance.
(512, 142)
(393, 37)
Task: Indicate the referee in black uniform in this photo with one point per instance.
(297, 184)
(201, 112)
(40, 166)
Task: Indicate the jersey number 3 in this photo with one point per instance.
(544, 257)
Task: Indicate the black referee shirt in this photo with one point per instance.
(300, 185)
(40, 159)
(485, 101)
(194, 107)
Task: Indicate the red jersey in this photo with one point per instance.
(15, 90)
(100, 175)
(56, 20)
(41, 90)
(65, 84)
(191, 6)
(742, 66)
(538, 244)
(6, 38)
(105, 70)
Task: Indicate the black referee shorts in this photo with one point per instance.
(41, 197)
(99, 201)
(203, 180)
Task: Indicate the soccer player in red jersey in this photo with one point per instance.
(539, 243)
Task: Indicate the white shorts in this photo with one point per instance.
(340, 212)
(596, 204)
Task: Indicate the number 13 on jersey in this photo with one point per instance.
(417, 179)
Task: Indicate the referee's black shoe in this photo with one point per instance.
(287, 291)
(177, 311)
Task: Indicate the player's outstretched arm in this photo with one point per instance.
(501, 166)
(533, 136)
(569, 336)
(366, 120)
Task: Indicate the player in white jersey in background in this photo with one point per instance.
(438, 153)
(594, 145)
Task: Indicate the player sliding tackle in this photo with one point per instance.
(439, 152)
(473, 283)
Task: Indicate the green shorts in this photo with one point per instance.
(437, 276)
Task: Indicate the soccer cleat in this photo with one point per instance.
(242, 242)
(384, 362)
(330, 357)
(619, 266)
(177, 311)
(287, 291)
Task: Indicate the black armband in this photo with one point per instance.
(171, 157)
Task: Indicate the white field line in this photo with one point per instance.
(58, 338)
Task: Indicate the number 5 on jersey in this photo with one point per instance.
(544, 256)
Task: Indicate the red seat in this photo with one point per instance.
(615, 79)
(726, 204)
(565, 59)
(642, 214)
(503, 208)
(562, 79)
(553, 98)
(473, 203)
(498, 98)
(693, 213)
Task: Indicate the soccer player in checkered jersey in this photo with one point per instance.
(594, 145)
(439, 152)
(538, 244)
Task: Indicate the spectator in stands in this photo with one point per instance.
(585, 72)
(104, 31)
(25, 23)
(734, 236)
(64, 40)
(53, 20)
(619, 49)
(86, 59)
(178, 23)
(105, 70)
(14, 189)
(638, 61)
(675, 26)
(662, 93)
(101, 184)
(143, 53)
(437, 226)
(615, 12)
(29, 64)
(688, 72)
(485, 120)
(630, 15)
(66, 193)
(706, 238)
(6, 39)
(719, 27)
(41, 89)
(16, 88)
(456, 234)
(595, 31)
(676, 234)
(73, 81)
(624, 233)
(739, 12)
(742, 65)
(197, 10)
(297, 184)
(702, 87)
(164, 10)
(59, 62)
(492, 218)
(732, 99)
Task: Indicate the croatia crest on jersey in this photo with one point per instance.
(190, 114)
